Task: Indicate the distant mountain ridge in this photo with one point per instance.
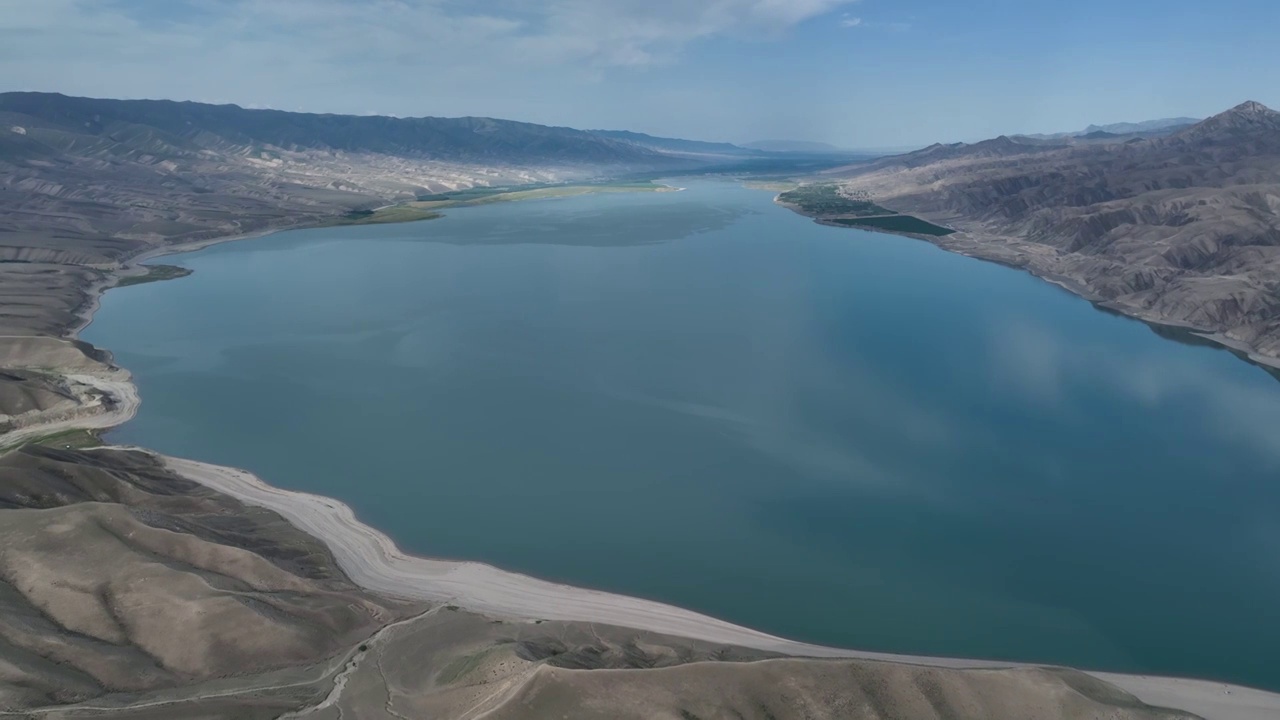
(1128, 128)
(202, 126)
(674, 145)
(1146, 128)
(796, 146)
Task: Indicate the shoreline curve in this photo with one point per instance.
(372, 560)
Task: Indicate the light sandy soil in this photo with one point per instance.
(1210, 700)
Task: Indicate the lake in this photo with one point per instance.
(702, 398)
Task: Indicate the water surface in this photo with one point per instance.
(701, 398)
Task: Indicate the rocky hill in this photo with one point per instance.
(118, 577)
(1182, 229)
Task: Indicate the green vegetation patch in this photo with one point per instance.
(393, 214)
(570, 191)
(826, 200)
(425, 207)
(533, 191)
(896, 223)
(777, 186)
(155, 273)
(463, 666)
(71, 439)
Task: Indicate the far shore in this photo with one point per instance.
(132, 265)
(372, 560)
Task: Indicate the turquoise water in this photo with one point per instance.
(699, 397)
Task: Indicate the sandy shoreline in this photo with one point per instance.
(373, 561)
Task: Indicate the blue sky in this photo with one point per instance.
(857, 73)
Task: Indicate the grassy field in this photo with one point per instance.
(778, 186)
(480, 196)
(155, 273)
(895, 223)
(408, 212)
(825, 200)
(427, 207)
(572, 190)
(75, 439)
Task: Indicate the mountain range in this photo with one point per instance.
(1148, 128)
(184, 128)
(1127, 128)
(674, 145)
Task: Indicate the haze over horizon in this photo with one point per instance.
(854, 73)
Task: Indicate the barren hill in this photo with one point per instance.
(1182, 229)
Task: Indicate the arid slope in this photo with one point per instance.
(116, 576)
(458, 665)
(1182, 229)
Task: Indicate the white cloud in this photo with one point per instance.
(542, 60)
(604, 32)
(850, 22)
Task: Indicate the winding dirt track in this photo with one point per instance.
(118, 404)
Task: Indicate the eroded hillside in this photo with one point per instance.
(1182, 229)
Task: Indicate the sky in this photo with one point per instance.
(855, 73)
